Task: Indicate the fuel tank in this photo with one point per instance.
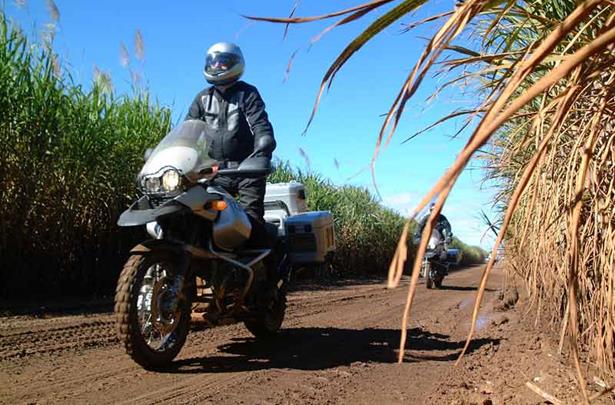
(232, 227)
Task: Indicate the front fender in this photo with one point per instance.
(141, 212)
(163, 245)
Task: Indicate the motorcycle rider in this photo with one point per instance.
(235, 115)
(442, 225)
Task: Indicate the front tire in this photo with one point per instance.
(152, 308)
(268, 324)
(426, 273)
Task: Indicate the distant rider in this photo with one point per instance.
(234, 113)
(442, 225)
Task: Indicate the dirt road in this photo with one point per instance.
(339, 345)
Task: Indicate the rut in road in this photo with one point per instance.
(56, 339)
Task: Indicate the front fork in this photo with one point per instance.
(425, 268)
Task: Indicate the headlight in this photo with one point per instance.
(170, 180)
(152, 184)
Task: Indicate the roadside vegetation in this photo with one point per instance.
(68, 158)
(541, 73)
(556, 159)
(470, 255)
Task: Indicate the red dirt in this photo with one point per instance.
(339, 346)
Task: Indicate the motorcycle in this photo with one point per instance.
(435, 266)
(201, 251)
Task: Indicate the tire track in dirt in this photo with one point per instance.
(381, 317)
(74, 335)
(92, 334)
(301, 311)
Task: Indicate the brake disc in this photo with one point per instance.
(165, 315)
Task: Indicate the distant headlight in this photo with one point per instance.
(170, 180)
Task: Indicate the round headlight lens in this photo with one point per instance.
(170, 180)
(152, 184)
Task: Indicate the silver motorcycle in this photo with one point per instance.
(200, 256)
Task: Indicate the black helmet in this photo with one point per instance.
(224, 64)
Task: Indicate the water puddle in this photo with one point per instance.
(482, 321)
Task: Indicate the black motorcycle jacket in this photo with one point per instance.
(441, 225)
(235, 118)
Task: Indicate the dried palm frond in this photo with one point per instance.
(545, 71)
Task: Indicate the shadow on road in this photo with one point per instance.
(323, 348)
(463, 288)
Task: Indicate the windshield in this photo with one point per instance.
(185, 148)
(434, 240)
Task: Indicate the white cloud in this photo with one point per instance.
(402, 202)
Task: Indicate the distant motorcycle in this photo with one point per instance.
(435, 266)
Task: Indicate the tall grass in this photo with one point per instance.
(68, 157)
(562, 233)
(470, 255)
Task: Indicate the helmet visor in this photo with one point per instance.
(220, 62)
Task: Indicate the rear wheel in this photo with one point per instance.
(152, 307)
(268, 324)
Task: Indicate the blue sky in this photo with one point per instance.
(177, 34)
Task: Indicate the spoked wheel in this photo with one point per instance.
(152, 307)
(269, 323)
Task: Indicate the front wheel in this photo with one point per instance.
(268, 324)
(426, 273)
(152, 307)
(438, 277)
